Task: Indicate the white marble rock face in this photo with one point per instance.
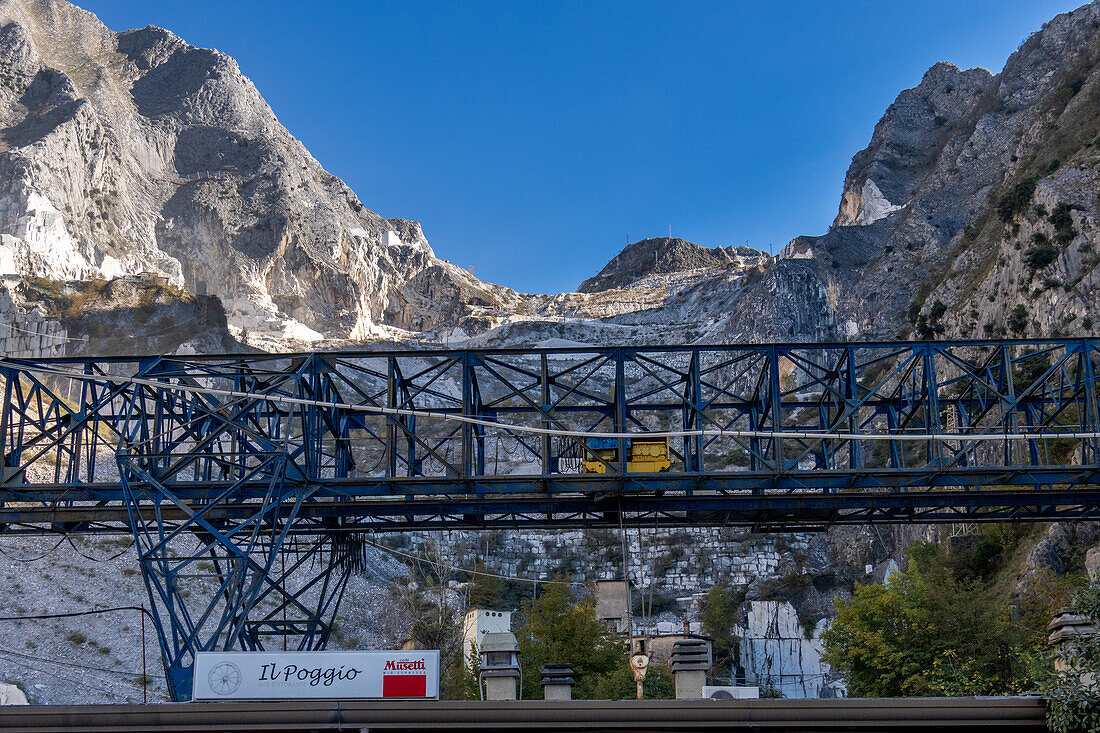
(777, 654)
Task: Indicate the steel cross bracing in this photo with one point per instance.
(227, 469)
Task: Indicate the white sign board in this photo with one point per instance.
(324, 675)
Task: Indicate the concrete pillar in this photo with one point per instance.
(500, 687)
(557, 682)
(691, 660)
(1069, 628)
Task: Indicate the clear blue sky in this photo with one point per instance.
(533, 140)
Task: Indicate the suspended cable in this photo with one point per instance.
(33, 559)
(421, 558)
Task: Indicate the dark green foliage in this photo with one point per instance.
(1040, 239)
(1017, 321)
(486, 590)
(718, 614)
(930, 632)
(1053, 166)
(790, 587)
(977, 561)
(1018, 199)
(931, 325)
(619, 684)
(1036, 258)
(557, 629)
(650, 602)
(1070, 89)
(971, 232)
(1063, 223)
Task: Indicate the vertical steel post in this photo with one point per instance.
(851, 399)
(391, 419)
(144, 672)
(692, 400)
(1009, 408)
(1090, 417)
(776, 406)
(932, 403)
(620, 406)
(548, 466)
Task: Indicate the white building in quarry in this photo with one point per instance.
(479, 622)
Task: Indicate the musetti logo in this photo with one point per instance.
(405, 678)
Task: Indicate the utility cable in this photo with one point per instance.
(59, 337)
(421, 558)
(33, 559)
(97, 559)
(73, 614)
(73, 665)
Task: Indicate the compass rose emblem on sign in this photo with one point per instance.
(224, 678)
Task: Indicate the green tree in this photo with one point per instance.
(718, 614)
(929, 633)
(1017, 320)
(558, 629)
(619, 684)
(486, 590)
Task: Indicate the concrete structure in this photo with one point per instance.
(1069, 628)
(691, 660)
(557, 682)
(660, 646)
(477, 623)
(613, 604)
(730, 692)
(500, 671)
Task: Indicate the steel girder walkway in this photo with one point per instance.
(231, 467)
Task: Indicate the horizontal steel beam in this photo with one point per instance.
(638, 509)
(536, 716)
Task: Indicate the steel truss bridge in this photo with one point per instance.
(248, 481)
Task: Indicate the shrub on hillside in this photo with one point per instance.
(1017, 199)
(1036, 258)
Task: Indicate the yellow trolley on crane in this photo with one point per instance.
(643, 455)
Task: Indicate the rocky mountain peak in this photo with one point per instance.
(906, 142)
(132, 152)
(663, 255)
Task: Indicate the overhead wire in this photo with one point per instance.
(74, 665)
(34, 559)
(73, 614)
(13, 327)
(96, 559)
(421, 558)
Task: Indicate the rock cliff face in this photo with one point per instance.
(781, 656)
(928, 217)
(174, 164)
(130, 152)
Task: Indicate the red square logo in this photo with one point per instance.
(404, 685)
